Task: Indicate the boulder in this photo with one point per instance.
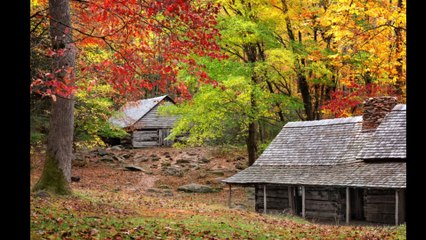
(204, 160)
(173, 171)
(119, 158)
(196, 188)
(102, 152)
(180, 161)
(165, 164)
(117, 147)
(134, 168)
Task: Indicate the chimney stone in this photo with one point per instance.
(375, 109)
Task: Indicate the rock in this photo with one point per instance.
(193, 165)
(204, 160)
(107, 159)
(118, 158)
(75, 179)
(180, 161)
(134, 168)
(102, 152)
(165, 164)
(126, 155)
(42, 194)
(218, 172)
(117, 147)
(173, 171)
(240, 166)
(196, 188)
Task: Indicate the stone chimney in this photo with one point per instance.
(375, 109)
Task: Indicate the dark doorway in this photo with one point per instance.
(297, 200)
(357, 203)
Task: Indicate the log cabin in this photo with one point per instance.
(342, 170)
(141, 118)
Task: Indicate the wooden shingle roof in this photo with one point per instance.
(389, 140)
(131, 112)
(321, 142)
(330, 153)
(359, 174)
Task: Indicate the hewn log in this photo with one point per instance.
(320, 205)
(348, 206)
(396, 207)
(303, 201)
(291, 200)
(264, 199)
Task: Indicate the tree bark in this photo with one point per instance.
(251, 143)
(399, 41)
(57, 167)
(302, 82)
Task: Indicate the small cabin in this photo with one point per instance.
(141, 118)
(343, 169)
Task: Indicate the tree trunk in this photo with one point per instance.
(399, 41)
(302, 82)
(57, 167)
(251, 143)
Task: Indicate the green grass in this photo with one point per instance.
(94, 215)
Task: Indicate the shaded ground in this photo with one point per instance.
(110, 202)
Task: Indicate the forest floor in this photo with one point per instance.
(111, 202)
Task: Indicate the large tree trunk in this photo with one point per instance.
(252, 143)
(399, 41)
(302, 82)
(57, 167)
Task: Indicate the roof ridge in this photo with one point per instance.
(325, 122)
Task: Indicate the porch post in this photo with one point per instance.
(290, 199)
(348, 206)
(396, 207)
(264, 199)
(303, 202)
(230, 196)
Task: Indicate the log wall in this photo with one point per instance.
(325, 203)
(276, 198)
(379, 206)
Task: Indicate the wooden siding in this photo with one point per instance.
(325, 203)
(276, 198)
(153, 120)
(321, 202)
(146, 138)
(151, 138)
(380, 206)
